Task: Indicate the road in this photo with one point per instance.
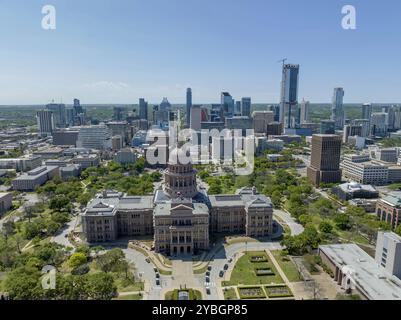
(146, 274)
(294, 226)
(62, 238)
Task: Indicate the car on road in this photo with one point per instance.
(147, 260)
(225, 266)
(207, 279)
(221, 274)
(207, 290)
(157, 282)
(208, 273)
(157, 275)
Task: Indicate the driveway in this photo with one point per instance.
(146, 273)
(62, 238)
(294, 226)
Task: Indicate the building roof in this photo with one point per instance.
(133, 202)
(373, 281)
(35, 173)
(354, 187)
(393, 199)
(226, 200)
(163, 209)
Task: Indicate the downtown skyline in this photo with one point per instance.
(119, 52)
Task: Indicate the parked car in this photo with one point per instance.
(208, 273)
(207, 290)
(155, 269)
(157, 282)
(225, 266)
(157, 275)
(147, 260)
(209, 268)
(207, 279)
(230, 260)
(221, 274)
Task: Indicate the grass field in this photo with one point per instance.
(244, 272)
(130, 297)
(193, 294)
(230, 294)
(287, 266)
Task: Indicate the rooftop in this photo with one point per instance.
(364, 272)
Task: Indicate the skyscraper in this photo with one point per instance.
(366, 111)
(195, 123)
(337, 109)
(143, 109)
(188, 107)
(246, 107)
(227, 105)
(325, 159)
(59, 115)
(289, 94)
(45, 122)
(304, 112)
(118, 113)
(77, 107)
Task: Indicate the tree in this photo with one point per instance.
(398, 230)
(100, 286)
(23, 283)
(342, 221)
(110, 261)
(8, 229)
(325, 226)
(77, 259)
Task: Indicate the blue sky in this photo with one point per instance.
(108, 51)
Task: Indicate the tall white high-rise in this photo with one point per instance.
(304, 112)
(337, 109)
(45, 120)
(289, 94)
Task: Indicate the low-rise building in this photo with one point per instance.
(87, 160)
(23, 164)
(357, 272)
(111, 215)
(352, 190)
(125, 156)
(70, 171)
(6, 199)
(34, 178)
(361, 169)
(388, 208)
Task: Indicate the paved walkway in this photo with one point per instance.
(294, 226)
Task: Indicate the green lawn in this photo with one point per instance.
(244, 271)
(230, 294)
(127, 285)
(287, 266)
(193, 294)
(130, 297)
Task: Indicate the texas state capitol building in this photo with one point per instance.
(179, 215)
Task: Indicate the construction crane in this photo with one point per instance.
(283, 61)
